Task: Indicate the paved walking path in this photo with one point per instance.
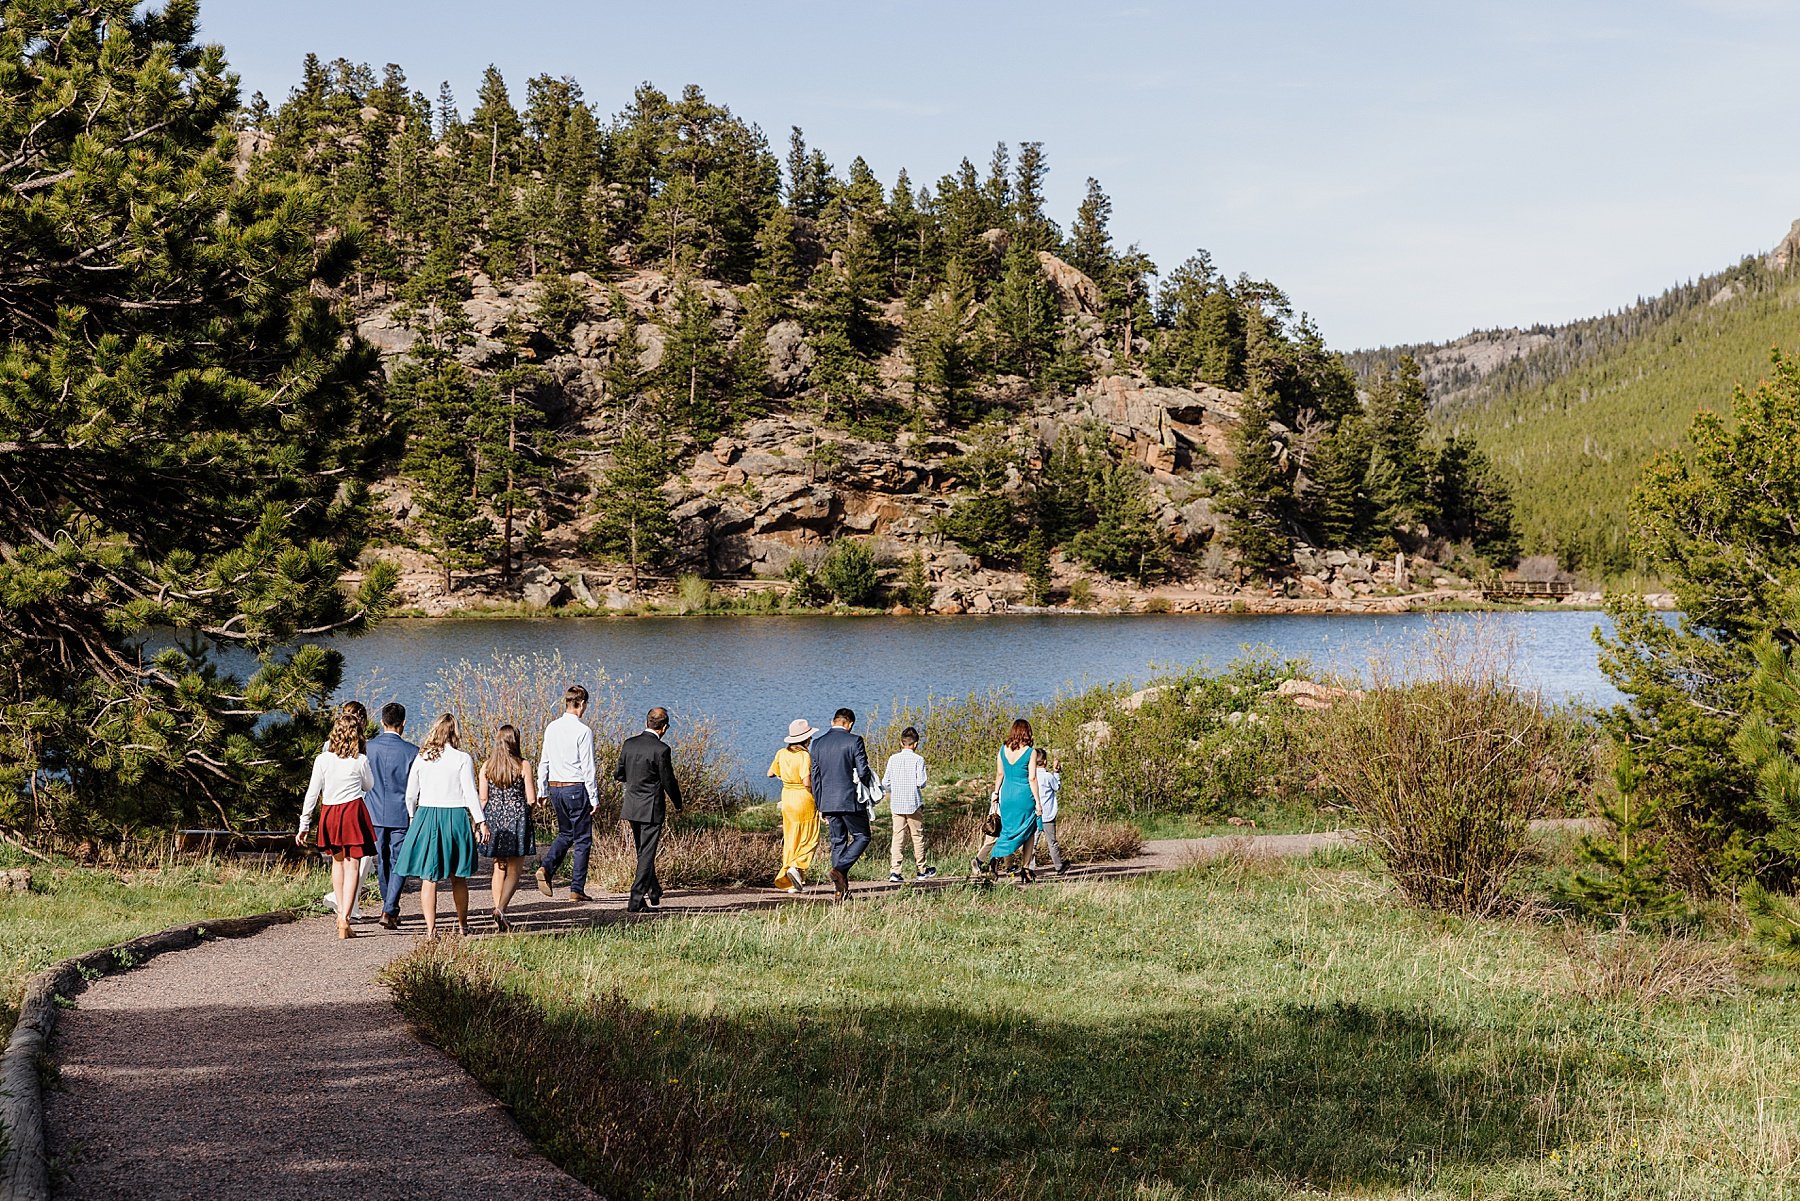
(275, 1067)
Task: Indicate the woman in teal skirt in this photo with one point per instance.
(446, 821)
(1016, 788)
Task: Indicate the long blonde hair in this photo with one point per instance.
(346, 740)
(442, 734)
(505, 764)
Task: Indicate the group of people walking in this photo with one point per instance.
(427, 812)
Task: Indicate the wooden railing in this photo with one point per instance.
(1527, 590)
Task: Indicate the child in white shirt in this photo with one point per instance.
(904, 780)
(1049, 774)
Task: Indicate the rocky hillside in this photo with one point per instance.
(784, 485)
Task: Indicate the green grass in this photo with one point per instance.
(74, 909)
(1239, 1031)
(1572, 449)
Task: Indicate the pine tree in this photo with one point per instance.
(695, 381)
(634, 524)
(809, 178)
(1023, 314)
(915, 584)
(940, 344)
(1766, 745)
(1090, 238)
(1124, 540)
(1336, 476)
(1061, 507)
(167, 359)
(1258, 494)
(777, 276)
(1715, 520)
(1399, 478)
(1470, 504)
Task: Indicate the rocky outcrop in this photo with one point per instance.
(1786, 254)
(1166, 429)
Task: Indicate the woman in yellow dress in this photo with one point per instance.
(799, 812)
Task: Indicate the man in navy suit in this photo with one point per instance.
(839, 763)
(390, 761)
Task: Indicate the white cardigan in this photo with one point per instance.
(335, 781)
(447, 782)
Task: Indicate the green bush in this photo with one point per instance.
(694, 594)
(1195, 743)
(848, 573)
(804, 589)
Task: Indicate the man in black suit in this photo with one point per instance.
(647, 770)
(839, 764)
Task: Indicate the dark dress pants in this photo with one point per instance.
(388, 840)
(849, 837)
(648, 836)
(574, 835)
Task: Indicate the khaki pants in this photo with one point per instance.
(905, 823)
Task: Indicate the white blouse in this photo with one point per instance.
(335, 781)
(447, 782)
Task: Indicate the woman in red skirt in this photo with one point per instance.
(340, 778)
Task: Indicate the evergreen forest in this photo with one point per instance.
(1572, 414)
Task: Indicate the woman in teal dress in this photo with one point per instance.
(1016, 788)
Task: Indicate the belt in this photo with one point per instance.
(566, 784)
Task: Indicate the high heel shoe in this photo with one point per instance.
(344, 930)
(501, 923)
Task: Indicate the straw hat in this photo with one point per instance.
(799, 730)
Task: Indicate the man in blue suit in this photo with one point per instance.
(839, 763)
(390, 761)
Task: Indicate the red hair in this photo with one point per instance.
(1019, 735)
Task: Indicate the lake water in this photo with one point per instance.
(752, 675)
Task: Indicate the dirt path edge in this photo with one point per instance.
(24, 1166)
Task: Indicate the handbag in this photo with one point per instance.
(990, 825)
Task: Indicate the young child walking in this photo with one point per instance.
(1049, 773)
(904, 780)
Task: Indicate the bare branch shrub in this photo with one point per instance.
(1447, 765)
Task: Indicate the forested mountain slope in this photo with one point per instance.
(1570, 414)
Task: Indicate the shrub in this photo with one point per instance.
(915, 585)
(804, 589)
(527, 691)
(524, 690)
(1081, 595)
(1447, 769)
(958, 733)
(848, 573)
(1192, 743)
(694, 594)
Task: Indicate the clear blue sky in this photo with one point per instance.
(1407, 171)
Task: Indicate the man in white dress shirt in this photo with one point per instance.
(565, 774)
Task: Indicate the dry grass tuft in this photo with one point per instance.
(690, 858)
(1624, 965)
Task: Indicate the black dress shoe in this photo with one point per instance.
(655, 898)
(637, 907)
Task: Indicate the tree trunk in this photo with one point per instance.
(506, 521)
(635, 589)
